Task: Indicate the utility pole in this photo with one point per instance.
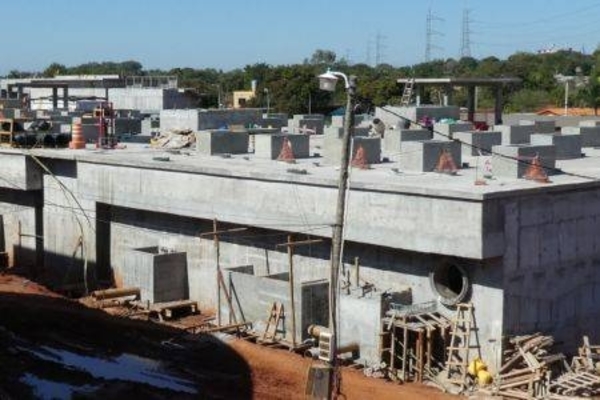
(430, 34)
(465, 47)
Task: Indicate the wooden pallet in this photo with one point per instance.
(167, 310)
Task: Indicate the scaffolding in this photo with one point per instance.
(414, 341)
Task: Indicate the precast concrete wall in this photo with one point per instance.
(197, 120)
(552, 264)
(254, 296)
(69, 230)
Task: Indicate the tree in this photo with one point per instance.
(54, 69)
(321, 56)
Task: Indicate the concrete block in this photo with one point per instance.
(313, 122)
(333, 149)
(444, 131)
(254, 295)
(338, 132)
(590, 136)
(590, 123)
(222, 142)
(269, 146)
(394, 138)
(475, 143)
(360, 319)
(161, 274)
(197, 120)
(338, 120)
(515, 134)
(274, 121)
(567, 146)
(513, 160)
(540, 126)
(423, 156)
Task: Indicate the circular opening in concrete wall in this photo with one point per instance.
(450, 282)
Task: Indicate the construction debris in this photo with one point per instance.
(531, 371)
(174, 139)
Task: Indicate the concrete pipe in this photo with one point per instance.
(315, 330)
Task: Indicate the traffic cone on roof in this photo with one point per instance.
(360, 158)
(535, 172)
(446, 164)
(286, 154)
(77, 139)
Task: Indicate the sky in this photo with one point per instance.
(229, 34)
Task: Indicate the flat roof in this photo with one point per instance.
(463, 81)
(385, 177)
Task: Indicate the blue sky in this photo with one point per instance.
(227, 34)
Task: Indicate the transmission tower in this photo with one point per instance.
(369, 51)
(430, 34)
(379, 48)
(465, 45)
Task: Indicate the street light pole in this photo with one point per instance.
(328, 83)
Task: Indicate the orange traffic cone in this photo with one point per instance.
(535, 172)
(360, 158)
(77, 139)
(446, 164)
(286, 154)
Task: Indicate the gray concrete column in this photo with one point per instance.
(420, 94)
(54, 98)
(498, 106)
(448, 95)
(471, 103)
(66, 97)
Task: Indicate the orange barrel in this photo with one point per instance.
(77, 139)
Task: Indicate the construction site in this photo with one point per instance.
(201, 241)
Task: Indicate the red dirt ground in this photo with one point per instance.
(238, 369)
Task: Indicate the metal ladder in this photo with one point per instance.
(408, 92)
(457, 362)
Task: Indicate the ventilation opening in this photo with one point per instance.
(450, 283)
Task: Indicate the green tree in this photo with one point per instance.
(54, 69)
(321, 56)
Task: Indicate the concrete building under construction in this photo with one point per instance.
(523, 251)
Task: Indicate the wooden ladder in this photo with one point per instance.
(457, 362)
(408, 92)
(276, 315)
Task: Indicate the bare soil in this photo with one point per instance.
(33, 317)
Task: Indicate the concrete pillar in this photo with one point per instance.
(471, 102)
(448, 98)
(2, 240)
(55, 98)
(498, 106)
(66, 97)
(420, 94)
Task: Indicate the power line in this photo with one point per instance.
(430, 33)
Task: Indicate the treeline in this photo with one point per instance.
(294, 88)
